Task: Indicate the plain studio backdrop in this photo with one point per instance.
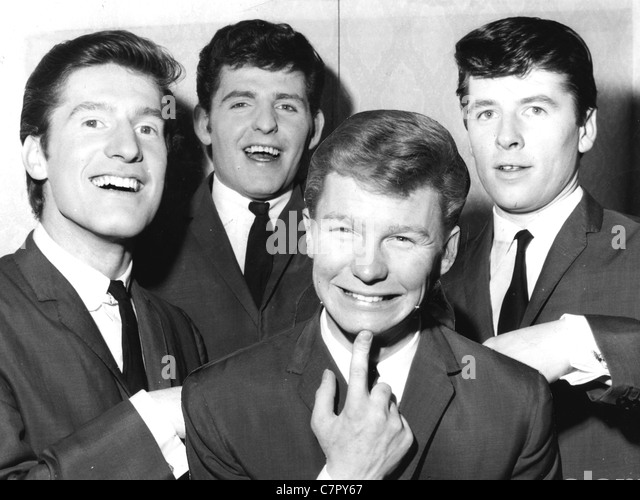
(379, 54)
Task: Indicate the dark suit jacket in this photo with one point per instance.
(64, 409)
(599, 427)
(248, 416)
(190, 263)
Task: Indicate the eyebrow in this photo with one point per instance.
(90, 106)
(337, 216)
(294, 97)
(482, 103)
(397, 228)
(541, 98)
(251, 95)
(238, 93)
(101, 106)
(422, 231)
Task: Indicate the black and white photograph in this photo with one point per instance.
(316, 243)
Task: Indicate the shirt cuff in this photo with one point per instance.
(324, 475)
(584, 355)
(173, 450)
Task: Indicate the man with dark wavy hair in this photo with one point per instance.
(259, 89)
(552, 278)
(91, 363)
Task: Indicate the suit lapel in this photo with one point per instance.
(427, 395)
(210, 234)
(477, 271)
(310, 358)
(568, 245)
(152, 339)
(291, 216)
(50, 285)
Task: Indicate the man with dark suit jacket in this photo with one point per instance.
(384, 194)
(90, 363)
(259, 89)
(563, 296)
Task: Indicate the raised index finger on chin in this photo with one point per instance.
(359, 369)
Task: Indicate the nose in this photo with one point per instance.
(123, 144)
(265, 119)
(509, 134)
(370, 265)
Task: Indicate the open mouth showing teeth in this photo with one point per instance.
(367, 298)
(511, 168)
(263, 153)
(110, 182)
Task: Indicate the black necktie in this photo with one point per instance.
(374, 374)
(133, 369)
(517, 297)
(258, 261)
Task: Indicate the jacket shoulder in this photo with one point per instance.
(612, 218)
(11, 278)
(490, 364)
(180, 327)
(166, 308)
(254, 365)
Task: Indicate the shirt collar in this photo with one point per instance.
(546, 224)
(393, 370)
(230, 204)
(90, 284)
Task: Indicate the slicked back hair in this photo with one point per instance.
(43, 90)
(514, 46)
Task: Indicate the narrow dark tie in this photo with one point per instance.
(258, 260)
(374, 374)
(517, 297)
(133, 369)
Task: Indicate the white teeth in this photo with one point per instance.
(509, 168)
(364, 298)
(263, 149)
(127, 183)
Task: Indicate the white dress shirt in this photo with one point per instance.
(581, 344)
(91, 285)
(233, 209)
(393, 371)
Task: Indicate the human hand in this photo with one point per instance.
(169, 402)
(369, 437)
(544, 347)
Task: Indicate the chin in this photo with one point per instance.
(119, 231)
(354, 325)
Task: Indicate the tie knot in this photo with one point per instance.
(259, 208)
(523, 237)
(118, 291)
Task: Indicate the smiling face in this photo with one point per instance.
(375, 256)
(106, 155)
(259, 126)
(525, 139)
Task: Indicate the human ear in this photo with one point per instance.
(201, 125)
(588, 131)
(318, 126)
(33, 158)
(450, 250)
(308, 227)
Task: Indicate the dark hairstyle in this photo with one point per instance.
(264, 45)
(516, 45)
(393, 153)
(43, 90)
